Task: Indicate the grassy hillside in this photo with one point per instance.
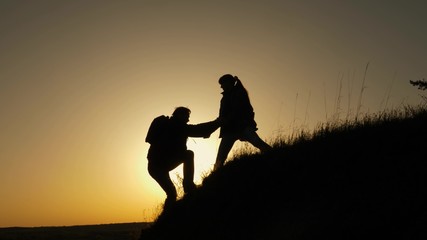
(354, 180)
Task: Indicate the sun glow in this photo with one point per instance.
(205, 151)
(204, 157)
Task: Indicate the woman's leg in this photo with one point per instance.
(223, 150)
(256, 141)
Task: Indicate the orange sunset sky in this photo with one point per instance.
(80, 82)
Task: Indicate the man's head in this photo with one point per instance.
(182, 114)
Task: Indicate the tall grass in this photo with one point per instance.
(326, 128)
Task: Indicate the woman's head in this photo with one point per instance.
(227, 82)
(227, 79)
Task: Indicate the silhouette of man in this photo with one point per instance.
(168, 149)
(237, 119)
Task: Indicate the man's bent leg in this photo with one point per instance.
(188, 181)
(163, 179)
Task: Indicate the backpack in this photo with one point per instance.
(158, 130)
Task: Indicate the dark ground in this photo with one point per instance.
(119, 231)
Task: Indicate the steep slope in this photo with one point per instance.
(347, 182)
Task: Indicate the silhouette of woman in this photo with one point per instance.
(237, 119)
